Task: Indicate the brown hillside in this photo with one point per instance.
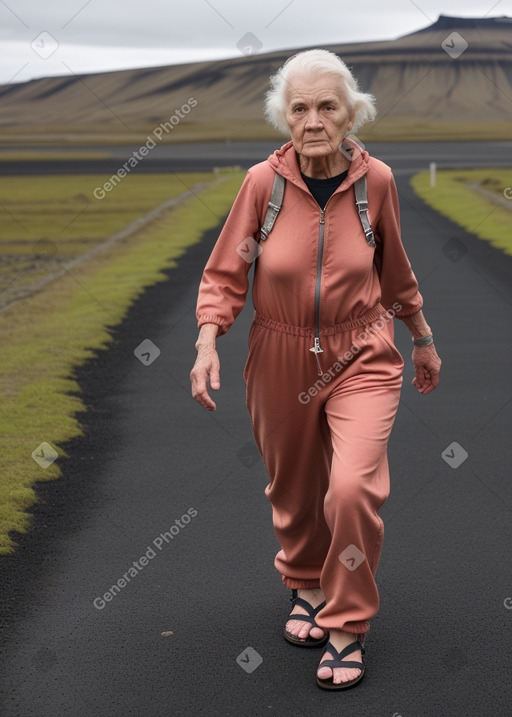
(422, 92)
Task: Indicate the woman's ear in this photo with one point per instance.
(351, 120)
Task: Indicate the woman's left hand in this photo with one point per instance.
(426, 365)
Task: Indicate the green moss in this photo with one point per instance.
(454, 198)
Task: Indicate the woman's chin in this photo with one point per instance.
(313, 150)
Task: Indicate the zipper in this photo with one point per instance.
(316, 348)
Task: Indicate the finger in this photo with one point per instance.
(207, 403)
(199, 391)
(204, 399)
(215, 376)
(422, 383)
(198, 382)
(419, 379)
(431, 384)
(432, 379)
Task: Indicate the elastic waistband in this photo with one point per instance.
(371, 315)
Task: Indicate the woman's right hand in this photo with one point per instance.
(206, 368)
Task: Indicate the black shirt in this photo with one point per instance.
(322, 189)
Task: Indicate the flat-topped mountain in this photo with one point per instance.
(452, 79)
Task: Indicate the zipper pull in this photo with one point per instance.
(316, 349)
(322, 215)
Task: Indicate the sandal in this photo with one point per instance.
(338, 661)
(310, 617)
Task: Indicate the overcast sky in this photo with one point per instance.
(57, 37)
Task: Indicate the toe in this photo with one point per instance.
(345, 675)
(324, 673)
(292, 627)
(304, 630)
(297, 628)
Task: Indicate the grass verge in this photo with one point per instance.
(48, 221)
(454, 198)
(49, 333)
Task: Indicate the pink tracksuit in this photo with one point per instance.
(323, 375)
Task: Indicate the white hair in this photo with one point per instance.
(317, 62)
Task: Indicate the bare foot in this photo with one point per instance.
(340, 640)
(314, 596)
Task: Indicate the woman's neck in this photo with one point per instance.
(329, 165)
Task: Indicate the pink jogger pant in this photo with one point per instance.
(323, 439)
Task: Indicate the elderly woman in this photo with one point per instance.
(323, 375)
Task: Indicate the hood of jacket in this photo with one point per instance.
(285, 162)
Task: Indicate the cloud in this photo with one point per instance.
(101, 35)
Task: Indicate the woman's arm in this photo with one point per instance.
(399, 285)
(426, 362)
(224, 283)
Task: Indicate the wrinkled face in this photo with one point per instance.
(316, 114)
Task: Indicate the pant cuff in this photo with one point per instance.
(295, 584)
(358, 628)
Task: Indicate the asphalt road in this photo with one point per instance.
(157, 481)
(202, 156)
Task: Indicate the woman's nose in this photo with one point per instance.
(313, 120)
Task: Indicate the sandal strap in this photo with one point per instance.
(312, 612)
(303, 618)
(343, 663)
(343, 653)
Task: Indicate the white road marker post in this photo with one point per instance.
(433, 168)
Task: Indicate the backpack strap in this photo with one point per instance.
(274, 206)
(276, 202)
(362, 208)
